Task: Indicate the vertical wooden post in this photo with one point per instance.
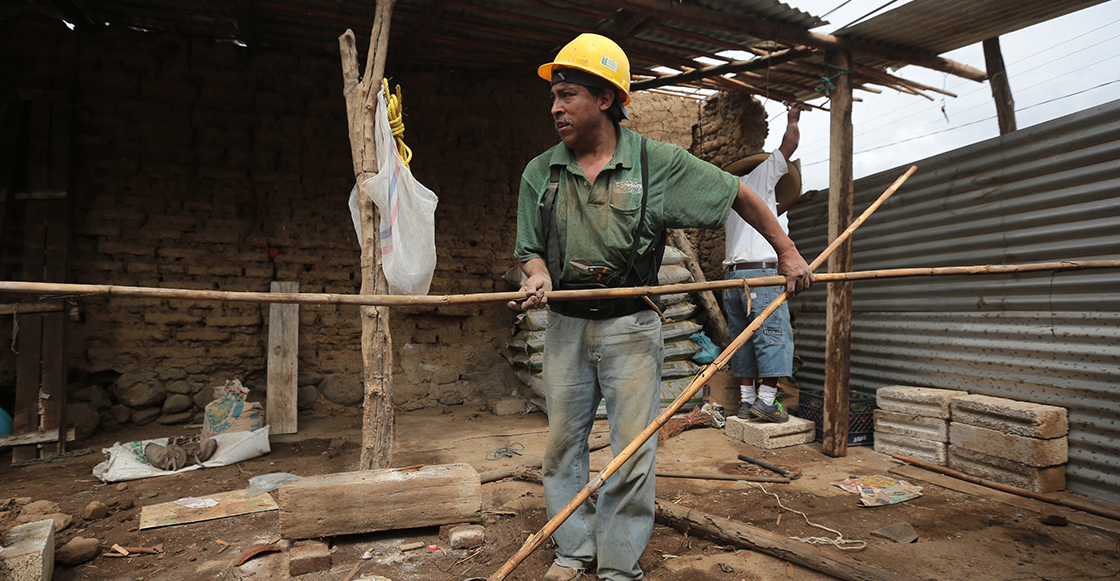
(283, 362)
(838, 329)
(377, 344)
(1001, 86)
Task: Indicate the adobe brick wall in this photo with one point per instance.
(192, 158)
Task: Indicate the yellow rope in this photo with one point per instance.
(396, 122)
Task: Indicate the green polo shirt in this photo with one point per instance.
(596, 222)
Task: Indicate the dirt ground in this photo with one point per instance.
(965, 532)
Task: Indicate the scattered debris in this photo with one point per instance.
(1053, 517)
(900, 533)
(268, 482)
(880, 490)
(194, 502)
(403, 548)
(791, 474)
(253, 551)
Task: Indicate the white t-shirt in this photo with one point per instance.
(745, 244)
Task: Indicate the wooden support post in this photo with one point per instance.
(283, 362)
(377, 344)
(838, 327)
(1001, 86)
(720, 332)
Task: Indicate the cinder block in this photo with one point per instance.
(467, 537)
(28, 552)
(1030, 451)
(1049, 479)
(307, 557)
(769, 435)
(922, 401)
(911, 425)
(926, 450)
(1008, 416)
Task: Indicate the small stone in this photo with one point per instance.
(145, 417)
(445, 530)
(1053, 517)
(173, 419)
(173, 374)
(96, 510)
(308, 377)
(467, 537)
(180, 387)
(123, 486)
(177, 403)
(306, 396)
(40, 507)
(308, 556)
(77, 551)
(507, 406)
(61, 520)
(343, 389)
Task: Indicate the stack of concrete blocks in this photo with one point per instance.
(914, 422)
(1012, 442)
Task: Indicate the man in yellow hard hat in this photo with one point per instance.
(592, 213)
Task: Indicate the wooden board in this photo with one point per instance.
(34, 438)
(379, 500)
(283, 362)
(233, 503)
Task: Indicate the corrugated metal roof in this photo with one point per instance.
(939, 26)
(1041, 194)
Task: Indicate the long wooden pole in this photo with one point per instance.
(702, 378)
(53, 290)
(1082, 506)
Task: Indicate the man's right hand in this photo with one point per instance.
(535, 286)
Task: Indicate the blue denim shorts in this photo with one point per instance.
(769, 353)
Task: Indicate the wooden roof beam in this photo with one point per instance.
(774, 59)
(791, 35)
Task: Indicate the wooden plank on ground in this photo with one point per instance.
(379, 500)
(283, 362)
(233, 503)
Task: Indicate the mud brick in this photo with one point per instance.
(28, 552)
(1049, 479)
(911, 425)
(1011, 417)
(926, 450)
(769, 435)
(922, 401)
(1035, 452)
(467, 537)
(445, 530)
(308, 557)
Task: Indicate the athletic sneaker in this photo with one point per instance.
(744, 411)
(773, 412)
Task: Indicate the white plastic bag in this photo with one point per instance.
(408, 226)
(127, 461)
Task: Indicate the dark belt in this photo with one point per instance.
(751, 266)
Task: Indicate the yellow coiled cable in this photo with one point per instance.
(396, 122)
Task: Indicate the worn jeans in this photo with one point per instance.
(620, 360)
(769, 352)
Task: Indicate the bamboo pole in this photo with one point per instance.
(54, 290)
(702, 378)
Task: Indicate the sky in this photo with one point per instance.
(1055, 68)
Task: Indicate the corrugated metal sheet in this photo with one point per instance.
(1045, 193)
(938, 26)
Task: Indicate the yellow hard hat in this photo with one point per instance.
(595, 54)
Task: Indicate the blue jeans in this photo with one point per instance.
(769, 353)
(618, 359)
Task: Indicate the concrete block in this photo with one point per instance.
(927, 450)
(921, 401)
(911, 425)
(1049, 479)
(769, 435)
(1030, 451)
(1008, 416)
(307, 557)
(467, 537)
(28, 552)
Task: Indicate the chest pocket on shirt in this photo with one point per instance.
(626, 195)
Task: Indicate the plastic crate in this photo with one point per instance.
(861, 420)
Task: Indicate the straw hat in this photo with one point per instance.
(789, 186)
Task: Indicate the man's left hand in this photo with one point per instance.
(796, 270)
